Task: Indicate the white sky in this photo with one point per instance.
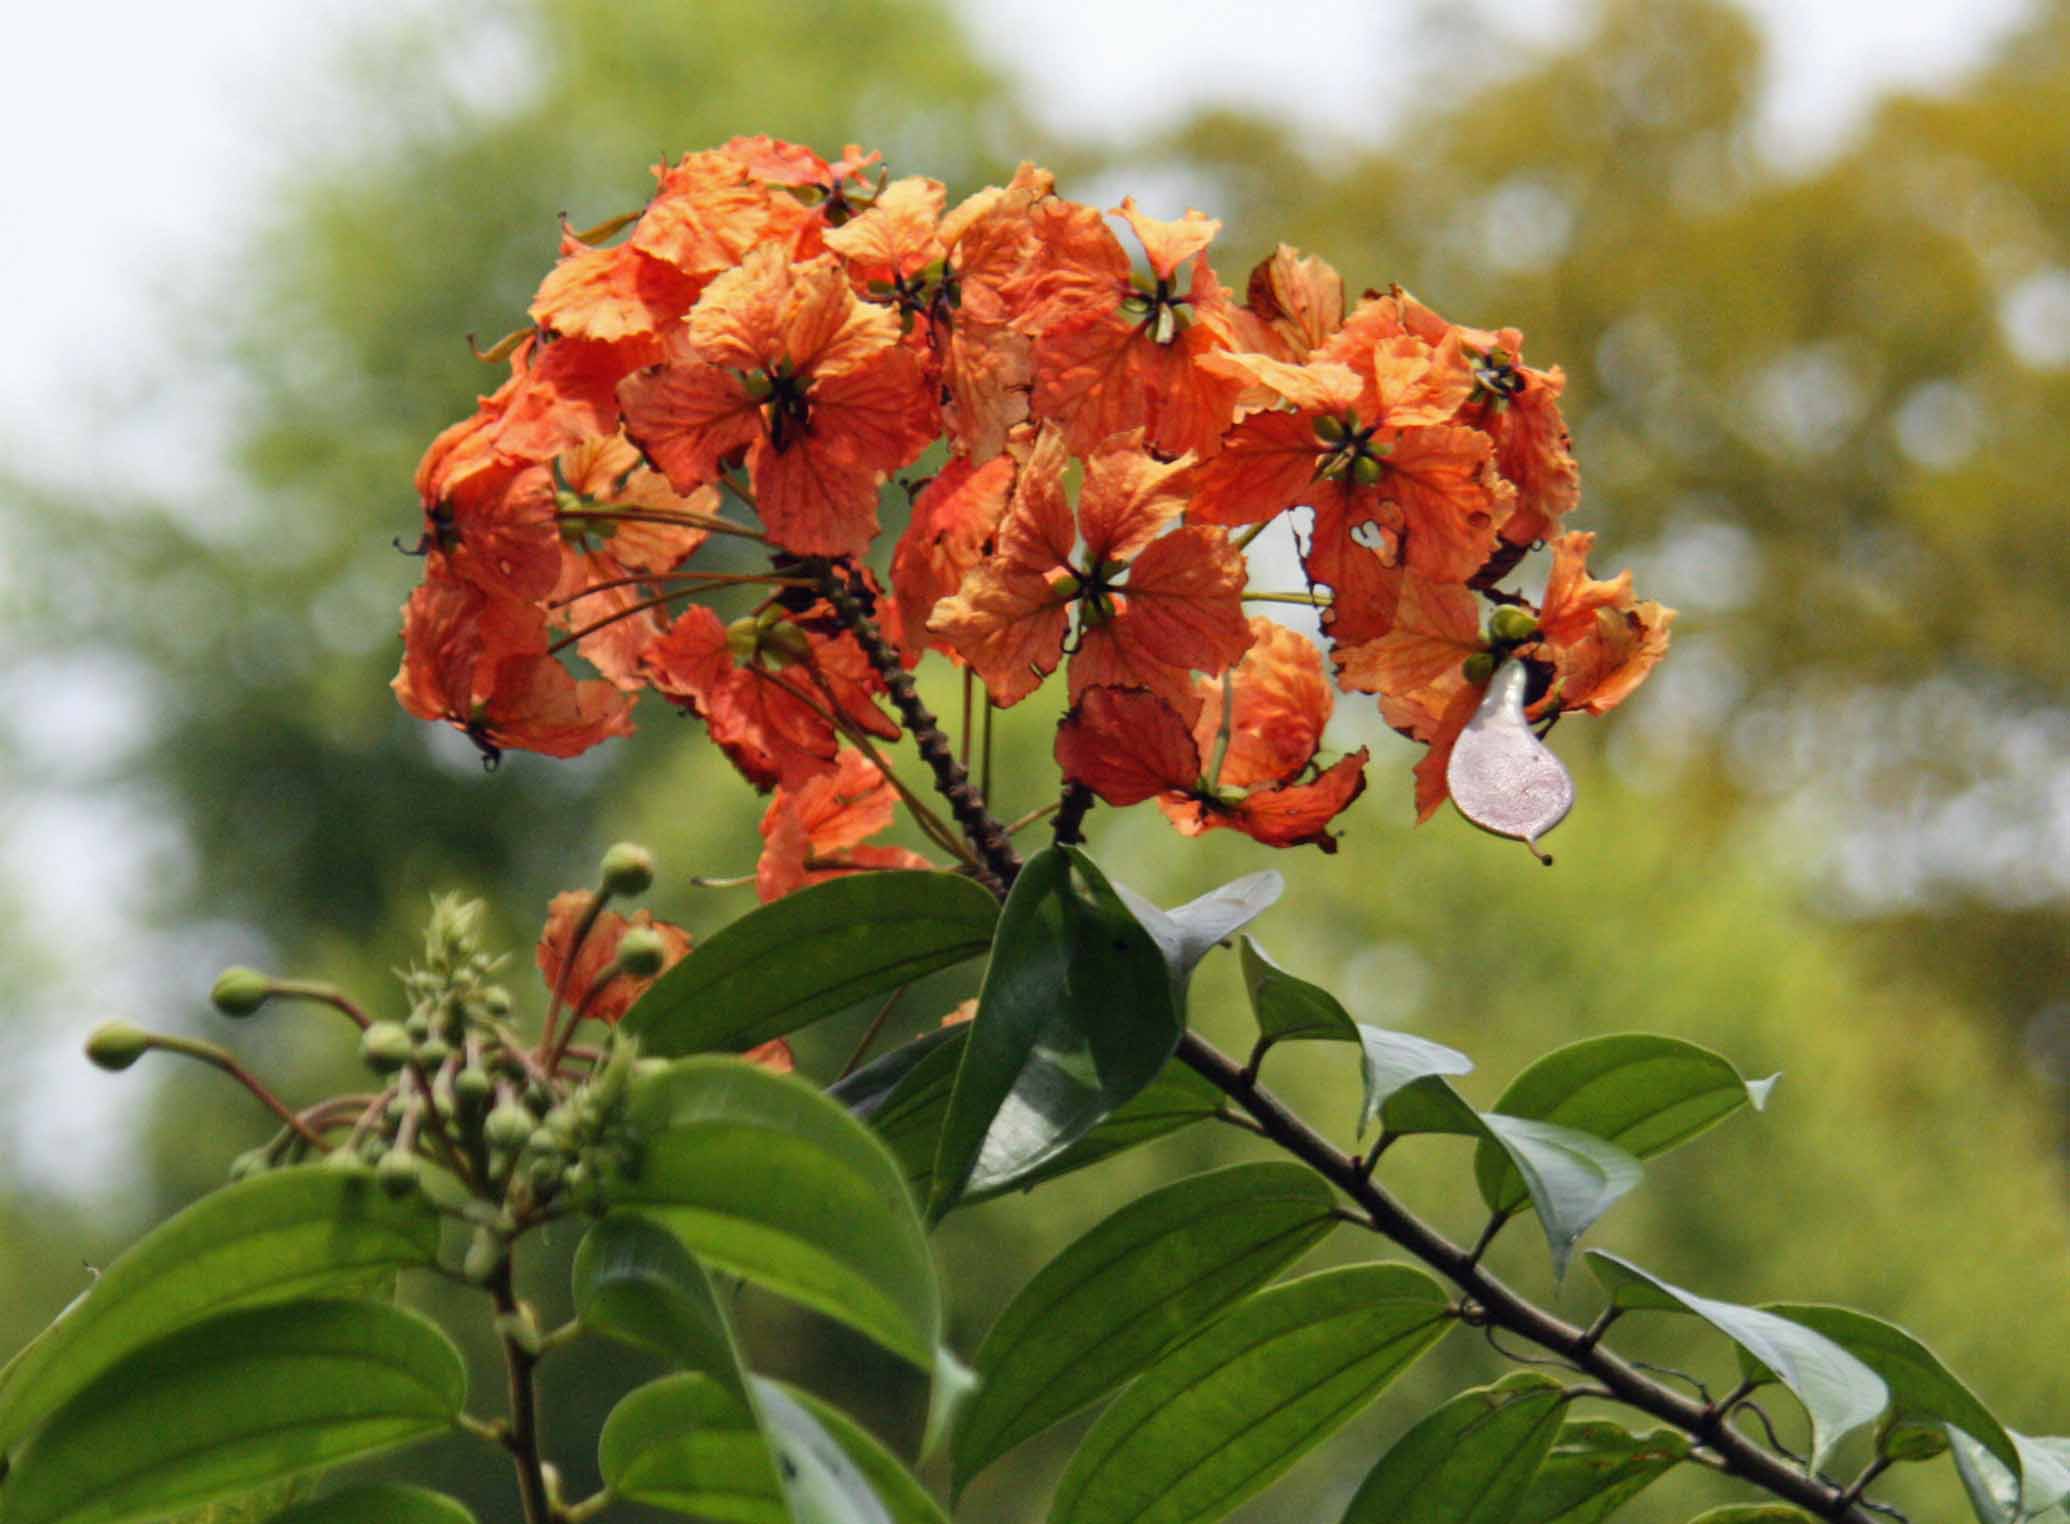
(135, 138)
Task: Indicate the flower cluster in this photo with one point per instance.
(781, 333)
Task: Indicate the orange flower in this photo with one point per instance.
(780, 360)
(1180, 609)
(812, 833)
(1128, 745)
(598, 952)
(1112, 356)
(765, 687)
(954, 521)
(1601, 641)
(480, 663)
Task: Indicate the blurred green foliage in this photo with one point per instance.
(1820, 413)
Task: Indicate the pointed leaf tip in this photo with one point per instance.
(1501, 776)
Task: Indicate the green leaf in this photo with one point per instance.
(1287, 1008)
(1189, 932)
(1594, 1469)
(1644, 1093)
(763, 1177)
(866, 1091)
(834, 1471)
(809, 955)
(634, 1280)
(288, 1233)
(1921, 1388)
(225, 1405)
(1470, 1461)
(380, 1503)
(1999, 1495)
(1078, 1013)
(1838, 1391)
(910, 1114)
(1223, 1415)
(686, 1444)
(1150, 1275)
(1293, 1010)
(1571, 1178)
(1755, 1513)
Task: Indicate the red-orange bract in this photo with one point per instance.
(776, 335)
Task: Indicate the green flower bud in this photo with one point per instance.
(1511, 625)
(398, 1172)
(495, 1000)
(1479, 667)
(433, 1051)
(628, 868)
(1365, 471)
(418, 1025)
(385, 1046)
(508, 1126)
(115, 1045)
(785, 644)
(239, 991)
(472, 1088)
(641, 952)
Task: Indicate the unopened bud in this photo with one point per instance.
(115, 1045)
(1366, 471)
(641, 952)
(472, 1087)
(1478, 668)
(628, 868)
(398, 1172)
(433, 1051)
(239, 991)
(1512, 625)
(508, 1126)
(385, 1046)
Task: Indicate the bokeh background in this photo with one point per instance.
(1808, 271)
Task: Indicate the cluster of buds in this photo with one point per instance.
(499, 1128)
(780, 334)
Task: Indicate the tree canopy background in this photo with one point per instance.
(1819, 414)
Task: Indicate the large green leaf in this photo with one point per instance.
(686, 1444)
(909, 1115)
(1838, 1391)
(1922, 1390)
(1078, 1013)
(1150, 1275)
(809, 955)
(1187, 933)
(762, 1176)
(1644, 1093)
(228, 1404)
(634, 1280)
(1754, 1513)
(1571, 1178)
(1223, 1415)
(1470, 1461)
(1594, 1469)
(380, 1503)
(288, 1233)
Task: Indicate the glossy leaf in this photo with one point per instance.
(1644, 1093)
(1594, 1469)
(865, 1091)
(809, 955)
(1288, 1008)
(1228, 1411)
(1150, 1275)
(380, 1503)
(228, 1404)
(686, 1444)
(909, 1118)
(1754, 1513)
(1838, 1391)
(833, 1470)
(2000, 1495)
(1189, 932)
(1078, 1013)
(1921, 1388)
(762, 1176)
(634, 1280)
(1470, 1461)
(288, 1233)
